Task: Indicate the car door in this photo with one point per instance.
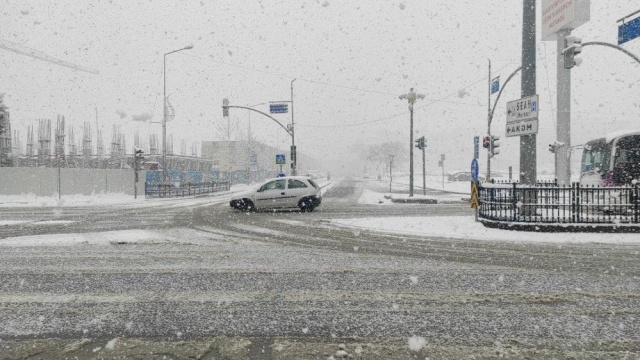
(295, 190)
(272, 194)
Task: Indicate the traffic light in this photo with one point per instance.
(139, 158)
(225, 107)
(573, 47)
(494, 145)
(555, 146)
(421, 143)
(485, 142)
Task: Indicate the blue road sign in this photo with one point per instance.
(280, 159)
(629, 31)
(534, 106)
(495, 85)
(475, 170)
(278, 108)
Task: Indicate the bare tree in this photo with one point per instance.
(378, 154)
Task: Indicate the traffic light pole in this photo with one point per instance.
(424, 172)
(226, 107)
(489, 116)
(135, 177)
(411, 153)
(563, 125)
(390, 172)
(528, 165)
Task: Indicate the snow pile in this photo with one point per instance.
(369, 197)
(101, 238)
(464, 227)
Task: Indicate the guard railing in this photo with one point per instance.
(188, 189)
(562, 204)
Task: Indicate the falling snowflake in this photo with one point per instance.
(416, 343)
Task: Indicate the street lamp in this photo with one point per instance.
(390, 172)
(411, 97)
(164, 112)
(294, 155)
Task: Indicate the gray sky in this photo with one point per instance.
(351, 58)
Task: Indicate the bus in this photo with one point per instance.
(613, 160)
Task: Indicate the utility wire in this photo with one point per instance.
(292, 77)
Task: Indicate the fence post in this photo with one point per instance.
(514, 202)
(574, 202)
(636, 204)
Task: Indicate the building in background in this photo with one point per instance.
(6, 149)
(251, 161)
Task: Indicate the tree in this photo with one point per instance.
(3, 111)
(378, 154)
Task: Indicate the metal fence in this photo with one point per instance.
(552, 203)
(172, 190)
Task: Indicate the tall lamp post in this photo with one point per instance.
(294, 155)
(411, 97)
(164, 112)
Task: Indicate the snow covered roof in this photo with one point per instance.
(614, 135)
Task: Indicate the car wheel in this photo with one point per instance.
(304, 204)
(246, 205)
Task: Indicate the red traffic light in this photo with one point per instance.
(485, 142)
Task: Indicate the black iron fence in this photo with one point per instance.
(173, 190)
(549, 203)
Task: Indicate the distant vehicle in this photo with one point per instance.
(152, 166)
(459, 176)
(315, 174)
(613, 160)
(280, 193)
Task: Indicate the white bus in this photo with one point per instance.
(613, 160)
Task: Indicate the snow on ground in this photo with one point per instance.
(464, 227)
(120, 237)
(31, 222)
(101, 238)
(432, 182)
(31, 200)
(370, 197)
(119, 199)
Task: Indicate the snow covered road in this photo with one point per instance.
(274, 285)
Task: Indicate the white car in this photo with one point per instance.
(280, 193)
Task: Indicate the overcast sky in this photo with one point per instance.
(351, 59)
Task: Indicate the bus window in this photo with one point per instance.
(627, 160)
(595, 157)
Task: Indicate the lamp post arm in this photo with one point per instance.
(500, 93)
(620, 48)
(171, 52)
(267, 115)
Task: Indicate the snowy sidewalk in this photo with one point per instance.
(465, 228)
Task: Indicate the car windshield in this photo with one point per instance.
(596, 156)
(319, 179)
